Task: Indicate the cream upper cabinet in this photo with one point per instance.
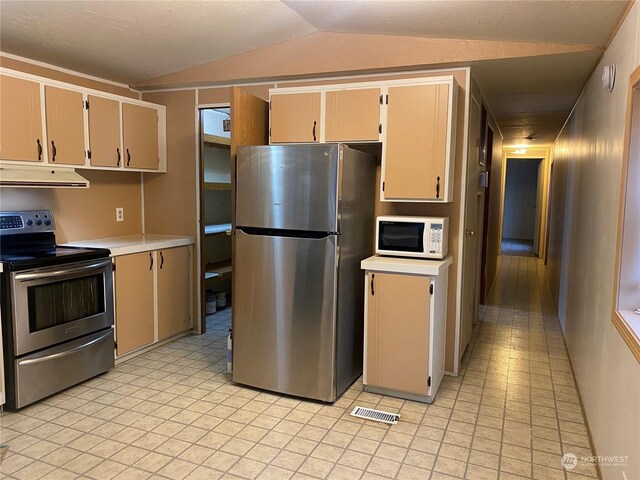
(60, 124)
(20, 120)
(104, 131)
(413, 119)
(174, 280)
(352, 115)
(64, 111)
(140, 133)
(418, 143)
(295, 117)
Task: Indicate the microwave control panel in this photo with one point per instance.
(435, 239)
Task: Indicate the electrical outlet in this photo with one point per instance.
(119, 214)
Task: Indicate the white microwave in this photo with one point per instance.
(419, 237)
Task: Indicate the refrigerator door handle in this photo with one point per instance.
(277, 232)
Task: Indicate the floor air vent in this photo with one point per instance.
(375, 415)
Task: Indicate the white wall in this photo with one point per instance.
(584, 216)
(520, 198)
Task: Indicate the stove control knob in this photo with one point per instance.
(29, 222)
(38, 221)
(47, 221)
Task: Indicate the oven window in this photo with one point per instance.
(401, 236)
(57, 303)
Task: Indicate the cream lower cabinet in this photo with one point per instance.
(174, 288)
(152, 297)
(133, 279)
(405, 314)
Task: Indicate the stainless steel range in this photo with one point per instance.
(57, 309)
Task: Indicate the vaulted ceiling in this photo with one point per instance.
(134, 41)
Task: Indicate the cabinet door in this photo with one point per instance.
(104, 132)
(65, 125)
(416, 142)
(352, 115)
(134, 301)
(140, 126)
(398, 321)
(20, 120)
(295, 117)
(174, 291)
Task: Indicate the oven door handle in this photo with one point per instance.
(63, 272)
(53, 356)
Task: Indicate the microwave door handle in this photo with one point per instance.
(63, 272)
(31, 361)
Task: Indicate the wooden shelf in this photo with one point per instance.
(216, 141)
(217, 229)
(217, 270)
(217, 186)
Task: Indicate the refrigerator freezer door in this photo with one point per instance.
(284, 314)
(292, 187)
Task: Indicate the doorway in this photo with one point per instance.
(522, 212)
(485, 219)
(215, 208)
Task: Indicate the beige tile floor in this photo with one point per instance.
(173, 413)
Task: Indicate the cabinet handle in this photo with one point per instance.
(438, 187)
(118, 152)
(150, 261)
(39, 149)
(373, 277)
(161, 260)
(314, 131)
(54, 151)
(128, 157)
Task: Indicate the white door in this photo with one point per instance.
(469, 253)
(538, 214)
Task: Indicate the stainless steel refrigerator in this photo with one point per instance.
(304, 221)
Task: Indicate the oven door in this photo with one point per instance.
(55, 304)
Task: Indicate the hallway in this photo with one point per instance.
(173, 413)
(520, 364)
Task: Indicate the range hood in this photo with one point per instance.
(41, 177)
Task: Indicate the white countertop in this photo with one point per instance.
(134, 243)
(415, 266)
